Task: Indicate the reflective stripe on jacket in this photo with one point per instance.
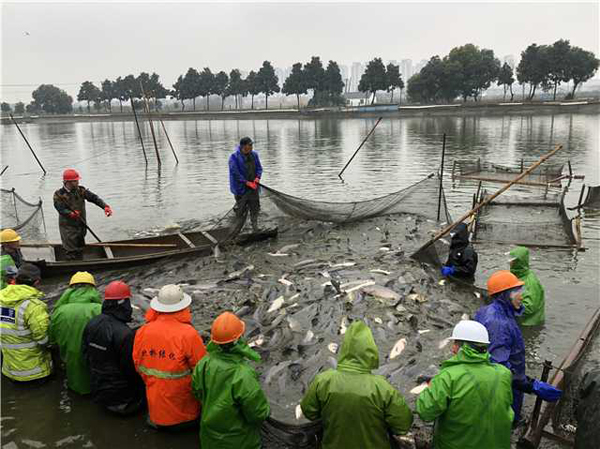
(24, 325)
(165, 352)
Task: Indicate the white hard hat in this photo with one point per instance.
(171, 298)
(473, 331)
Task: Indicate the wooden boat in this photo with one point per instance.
(546, 176)
(50, 257)
(535, 222)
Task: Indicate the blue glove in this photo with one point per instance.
(546, 391)
(448, 270)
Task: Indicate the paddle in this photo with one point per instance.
(448, 228)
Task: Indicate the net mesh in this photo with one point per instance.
(24, 217)
(420, 198)
(542, 221)
(548, 173)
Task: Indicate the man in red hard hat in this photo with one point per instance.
(107, 345)
(69, 201)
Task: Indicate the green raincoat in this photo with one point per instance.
(358, 409)
(72, 312)
(533, 293)
(5, 262)
(471, 400)
(233, 403)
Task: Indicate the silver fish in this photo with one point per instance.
(343, 326)
(287, 248)
(360, 286)
(398, 348)
(276, 305)
(239, 273)
(464, 316)
(342, 265)
(381, 292)
(299, 414)
(419, 388)
(258, 342)
(284, 281)
(378, 271)
(424, 331)
(308, 337)
(333, 347)
(277, 254)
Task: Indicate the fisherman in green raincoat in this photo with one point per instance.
(470, 398)
(234, 405)
(533, 294)
(8, 270)
(72, 312)
(358, 409)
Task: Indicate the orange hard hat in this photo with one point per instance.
(502, 280)
(117, 290)
(227, 328)
(71, 175)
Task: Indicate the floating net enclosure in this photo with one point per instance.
(24, 217)
(490, 172)
(592, 199)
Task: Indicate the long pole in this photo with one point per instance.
(27, 142)
(441, 177)
(151, 125)
(360, 146)
(3, 170)
(83, 222)
(169, 140)
(139, 131)
(448, 228)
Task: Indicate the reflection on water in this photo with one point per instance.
(303, 158)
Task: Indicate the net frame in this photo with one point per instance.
(14, 221)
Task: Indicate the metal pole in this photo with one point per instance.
(441, 177)
(360, 146)
(27, 142)
(139, 130)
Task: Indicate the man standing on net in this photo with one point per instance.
(69, 201)
(245, 172)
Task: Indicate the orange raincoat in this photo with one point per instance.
(165, 352)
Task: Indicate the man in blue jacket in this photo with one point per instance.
(245, 172)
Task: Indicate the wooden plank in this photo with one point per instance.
(529, 244)
(210, 237)
(186, 240)
(134, 245)
(109, 253)
(503, 181)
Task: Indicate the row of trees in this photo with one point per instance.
(467, 71)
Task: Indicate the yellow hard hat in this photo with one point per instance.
(9, 236)
(82, 277)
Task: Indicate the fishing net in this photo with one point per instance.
(281, 435)
(420, 198)
(592, 200)
(24, 217)
(512, 220)
(487, 171)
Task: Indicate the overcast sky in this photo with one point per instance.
(67, 43)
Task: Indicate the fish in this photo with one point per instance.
(378, 320)
(442, 344)
(284, 281)
(239, 273)
(377, 271)
(424, 331)
(286, 248)
(308, 337)
(276, 305)
(442, 282)
(419, 388)
(478, 295)
(258, 342)
(381, 292)
(445, 242)
(417, 297)
(342, 265)
(325, 274)
(398, 348)
(277, 254)
(299, 414)
(294, 324)
(303, 263)
(151, 291)
(343, 326)
(133, 306)
(464, 316)
(333, 347)
(358, 287)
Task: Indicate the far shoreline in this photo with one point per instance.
(377, 110)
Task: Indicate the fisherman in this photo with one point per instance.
(107, 347)
(72, 312)
(358, 409)
(245, 172)
(166, 350)
(24, 325)
(69, 201)
(533, 295)
(8, 271)
(470, 398)
(462, 260)
(234, 405)
(506, 340)
(10, 242)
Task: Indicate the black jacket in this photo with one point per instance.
(107, 346)
(462, 255)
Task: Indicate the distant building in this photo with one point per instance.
(356, 72)
(420, 65)
(406, 69)
(345, 76)
(358, 98)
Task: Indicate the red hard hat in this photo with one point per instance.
(117, 290)
(227, 328)
(71, 175)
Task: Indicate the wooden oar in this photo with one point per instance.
(120, 245)
(448, 228)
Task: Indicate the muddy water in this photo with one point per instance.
(301, 158)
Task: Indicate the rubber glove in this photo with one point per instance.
(74, 214)
(107, 210)
(448, 270)
(251, 184)
(546, 391)
(257, 180)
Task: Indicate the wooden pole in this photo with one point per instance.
(3, 170)
(359, 147)
(147, 109)
(139, 130)
(27, 142)
(448, 228)
(441, 177)
(169, 140)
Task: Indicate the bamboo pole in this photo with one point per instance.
(169, 140)
(147, 109)
(139, 130)
(441, 177)
(359, 147)
(27, 142)
(3, 170)
(448, 228)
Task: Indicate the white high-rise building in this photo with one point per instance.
(356, 72)
(406, 69)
